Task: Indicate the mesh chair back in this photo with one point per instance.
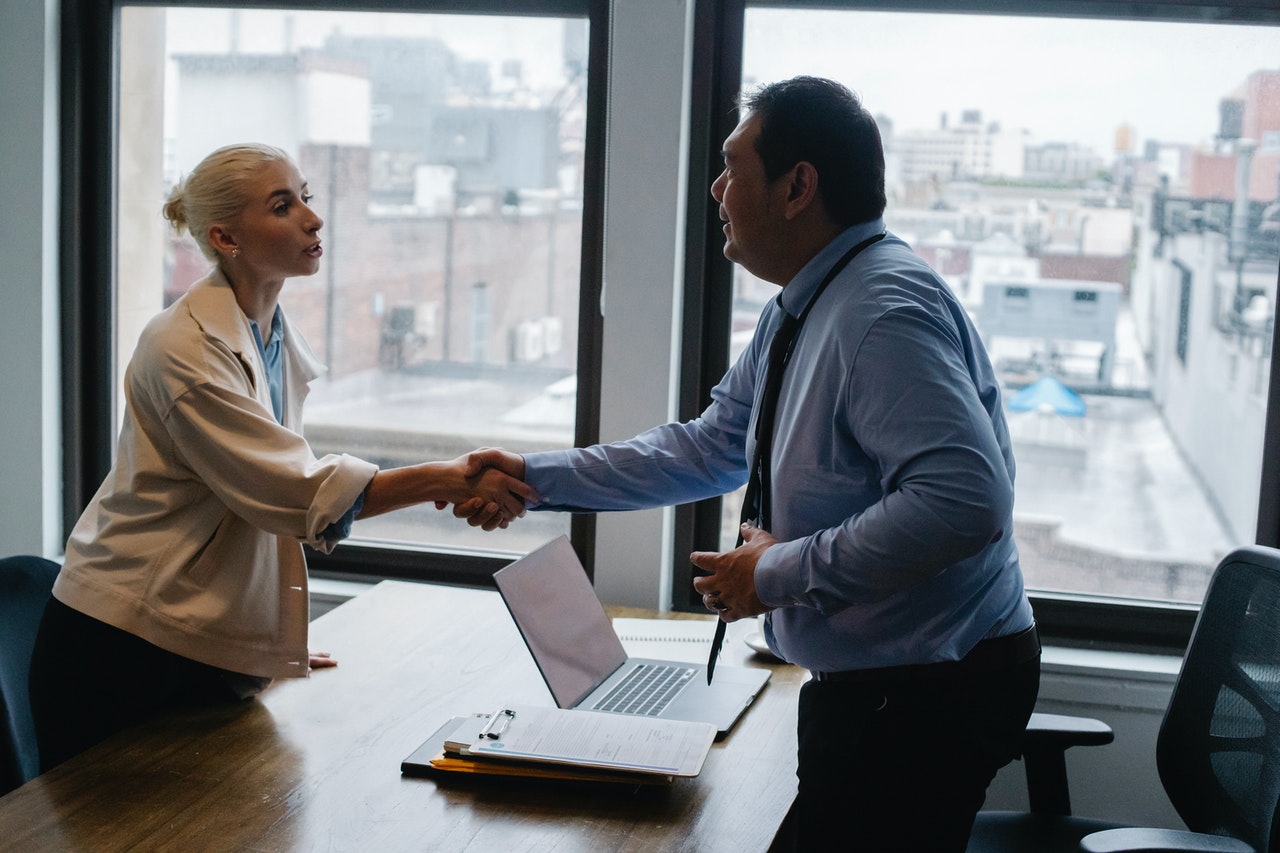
(1218, 751)
(25, 585)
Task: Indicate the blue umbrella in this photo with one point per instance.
(1049, 394)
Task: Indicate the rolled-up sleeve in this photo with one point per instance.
(264, 472)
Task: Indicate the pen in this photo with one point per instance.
(492, 729)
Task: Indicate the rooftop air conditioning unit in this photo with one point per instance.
(530, 342)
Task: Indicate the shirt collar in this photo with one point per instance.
(801, 288)
(277, 330)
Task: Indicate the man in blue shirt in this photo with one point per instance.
(887, 564)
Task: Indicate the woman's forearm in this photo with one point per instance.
(432, 482)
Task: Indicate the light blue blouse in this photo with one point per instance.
(272, 363)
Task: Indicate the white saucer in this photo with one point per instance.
(756, 641)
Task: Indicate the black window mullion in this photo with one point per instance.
(708, 284)
(86, 252)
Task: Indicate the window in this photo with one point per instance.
(1020, 194)
(1096, 157)
(449, 155)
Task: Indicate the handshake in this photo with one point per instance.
(494, 480)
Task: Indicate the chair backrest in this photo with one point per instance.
(25, 585)
(1218, 750)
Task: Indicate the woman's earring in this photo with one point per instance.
(235, 253)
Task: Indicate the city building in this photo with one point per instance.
(969, 150)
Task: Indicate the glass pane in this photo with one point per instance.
(445, 153)
(1108, 212)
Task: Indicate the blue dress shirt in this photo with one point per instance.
(892, 469)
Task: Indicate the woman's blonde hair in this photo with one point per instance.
(215, 190)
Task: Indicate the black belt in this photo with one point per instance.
(989, 656)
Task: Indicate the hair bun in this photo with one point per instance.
(175, 207)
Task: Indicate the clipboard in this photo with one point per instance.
(564, 736)
(565, 744)
(433, 760)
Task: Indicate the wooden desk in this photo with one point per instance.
(314, 764)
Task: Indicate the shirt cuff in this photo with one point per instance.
(546, 471)
(775, 573)
(341, 528)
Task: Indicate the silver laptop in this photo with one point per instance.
(583, 661)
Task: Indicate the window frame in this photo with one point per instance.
(88, 133)
(1064, 619)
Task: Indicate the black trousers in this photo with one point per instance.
(903, 765)
(90, 680)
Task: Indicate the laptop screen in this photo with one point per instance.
(561, 619)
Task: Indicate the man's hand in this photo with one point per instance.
(729, 588)
(511, 464)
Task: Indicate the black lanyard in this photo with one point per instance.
(755, 505)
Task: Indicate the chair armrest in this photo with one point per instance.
(1059, 731)
(1138, 840)
(1047, 738)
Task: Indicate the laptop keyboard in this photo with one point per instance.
(646, 690)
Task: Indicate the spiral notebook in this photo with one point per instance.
(686, 640)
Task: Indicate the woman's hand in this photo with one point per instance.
(498, 481)
(321, 660)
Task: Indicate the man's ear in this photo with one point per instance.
(802, 188)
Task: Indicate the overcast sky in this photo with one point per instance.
(536, 42)
(1062, 79)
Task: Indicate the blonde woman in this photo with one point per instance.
(185, 579)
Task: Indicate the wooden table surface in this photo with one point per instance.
(314, 764)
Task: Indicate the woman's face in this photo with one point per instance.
(277, 233)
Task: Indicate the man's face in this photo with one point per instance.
(748, 206)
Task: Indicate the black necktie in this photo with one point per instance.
(755, 504)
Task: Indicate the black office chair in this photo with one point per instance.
(1218, 751)
(25, 585)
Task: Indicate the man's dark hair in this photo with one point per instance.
(822, 122)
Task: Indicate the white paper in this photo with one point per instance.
(591, 739)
